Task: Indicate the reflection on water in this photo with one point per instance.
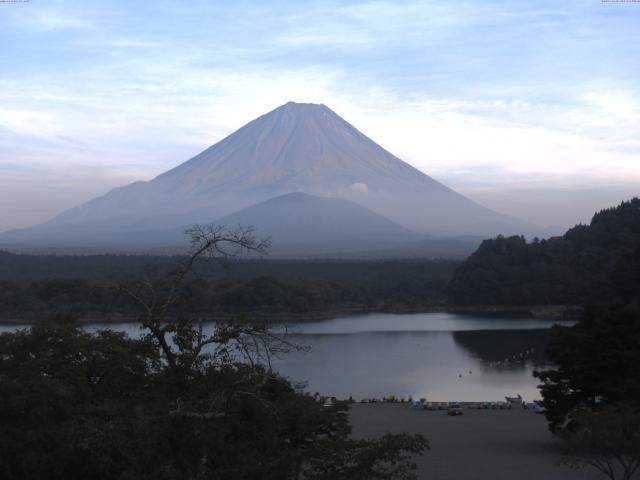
(507, 348)
(423, 364)
(438, 356)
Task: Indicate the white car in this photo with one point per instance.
(538, 408)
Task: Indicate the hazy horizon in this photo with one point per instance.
(531, 110)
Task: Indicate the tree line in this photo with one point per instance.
(45, 284)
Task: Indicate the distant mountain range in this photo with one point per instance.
(300, 174)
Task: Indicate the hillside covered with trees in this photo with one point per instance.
(573, 269)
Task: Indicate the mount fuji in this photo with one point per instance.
(296, 148)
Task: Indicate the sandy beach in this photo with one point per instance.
(478, 445)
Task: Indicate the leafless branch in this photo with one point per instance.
(207, 242)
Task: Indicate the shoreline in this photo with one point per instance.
(550, 312)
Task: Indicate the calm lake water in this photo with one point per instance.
(438, 356)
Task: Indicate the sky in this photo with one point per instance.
(531, 108)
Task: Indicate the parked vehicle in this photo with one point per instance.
(455, 409)
(538, 408)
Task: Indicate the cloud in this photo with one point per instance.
(477, 94)
(359, 187)
(49, 19)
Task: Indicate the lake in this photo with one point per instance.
(438, 356)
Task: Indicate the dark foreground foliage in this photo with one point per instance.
(598, 360)
(573, 269)
(608, 440)
(592, 397)
(75, 405)
(179, 403)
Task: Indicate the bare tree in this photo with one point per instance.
(607, 440)
(180, 338)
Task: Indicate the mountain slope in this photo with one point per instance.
(295, 148)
